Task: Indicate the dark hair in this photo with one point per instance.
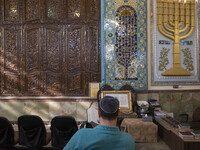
(109, 107)
(110, 116)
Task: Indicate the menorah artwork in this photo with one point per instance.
(176, 20)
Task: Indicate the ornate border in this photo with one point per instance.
(107, 56)
(119, 94)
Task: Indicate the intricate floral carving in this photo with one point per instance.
(93, 8)
(11, 84)
(74, 51)
(74, 82)
(42, 55)
(32, 50)
(54, 84)
(33, 84)
(53, 50)
(94, 57)
(32, 10)
(10, 52)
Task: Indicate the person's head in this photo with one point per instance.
(109, 108)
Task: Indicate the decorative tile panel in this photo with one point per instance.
(124, 43)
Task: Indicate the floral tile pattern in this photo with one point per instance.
(123, 25)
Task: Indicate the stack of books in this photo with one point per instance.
(186, 135)
(154, 104)
(184, 127)
(159, 113)
(196, 134)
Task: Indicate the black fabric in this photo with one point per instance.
(61, 138)
(3, 136)
(86, 125)
(32, 132)
(62, 129)
(32, 137)
(6, 133)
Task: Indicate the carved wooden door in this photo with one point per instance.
(75, 60)
(49, 47)
(10, 60)
(53, 61)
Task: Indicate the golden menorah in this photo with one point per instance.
(176, 21)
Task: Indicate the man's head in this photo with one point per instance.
(109, 107)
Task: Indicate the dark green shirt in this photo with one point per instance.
(101, 138)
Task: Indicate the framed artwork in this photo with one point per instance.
(174, 32)
(124, 97)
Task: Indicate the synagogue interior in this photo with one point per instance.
(59, 58)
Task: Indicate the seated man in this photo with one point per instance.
(105, 136)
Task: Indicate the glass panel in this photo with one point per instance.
(74, 8)
(11, 9)
(52, 9)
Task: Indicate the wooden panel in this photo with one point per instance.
(174, 141)
(94, 49)
(11, 11)
(75, 61)
(32, 49)
(54, 83)
(1, 43)
(75, 48)
(75, 9)
(53, 54)
(93, 55)
(32, 57)
(10, 85)
(76, 83)
(95, 77)
(33, 84)
(32, 10)
(1, 11)
(43, 47)
(54, 10)
(11, 49)
(53, 60)
(93, 9)
(10, 65)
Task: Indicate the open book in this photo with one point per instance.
(92, 115)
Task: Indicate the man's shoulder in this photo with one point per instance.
(85, 130)
(127, 135)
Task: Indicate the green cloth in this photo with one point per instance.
(101, 138)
